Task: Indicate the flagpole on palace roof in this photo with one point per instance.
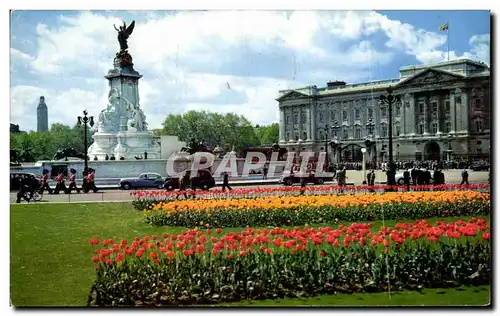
(448, 38)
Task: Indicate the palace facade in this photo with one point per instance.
(442, 113)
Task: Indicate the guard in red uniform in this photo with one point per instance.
(72, 182)
(60, 183)
(45, 185)
(90, 180)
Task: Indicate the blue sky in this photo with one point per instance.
(188, 58)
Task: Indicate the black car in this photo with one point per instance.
(204, 180)
(480, 166)
(291, 179)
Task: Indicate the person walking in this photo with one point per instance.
(91, 181)
(465, 177)
(371, 180)
(264, 171)
(60, 183)
(414, 175)
(45, 185)
(72, 182)
(225, 182)
(406, 177)
(25, 187)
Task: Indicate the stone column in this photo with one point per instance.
(426, 116)
(465, 111)
(308, 122)
(453, 112)
(282, 124)
(313, 119)
(411, 128)
(438, 113)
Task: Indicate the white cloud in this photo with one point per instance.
(188, 58)
(16, 54)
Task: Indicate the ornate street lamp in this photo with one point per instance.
(85, 120)
(390, 100)
(363, 151)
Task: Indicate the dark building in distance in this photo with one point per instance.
(42, 116)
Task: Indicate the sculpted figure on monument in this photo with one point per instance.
(137, 120)
(107, 116)
(123, 34)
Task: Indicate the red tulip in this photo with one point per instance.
(486, 236)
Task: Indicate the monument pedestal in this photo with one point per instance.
(134, 144)
(103, 145)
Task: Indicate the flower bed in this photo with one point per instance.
(198, 267)
(150, 197)
(299, 210)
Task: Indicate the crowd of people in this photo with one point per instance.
(30, 185)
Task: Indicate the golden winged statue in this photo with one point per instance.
(123, 34)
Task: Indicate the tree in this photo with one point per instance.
(34, 146)
(224, 130)
(267, 134)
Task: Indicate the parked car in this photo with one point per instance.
(145, 180)
(401, 180)
(204, 181)
(289, 179)
(480, 166)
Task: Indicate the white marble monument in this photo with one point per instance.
(121, 128)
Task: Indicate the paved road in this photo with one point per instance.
(356, 177)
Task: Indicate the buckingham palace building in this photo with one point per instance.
(442, 112)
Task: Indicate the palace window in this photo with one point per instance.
(296, 119)
(320, 117)
(384, 112)
(358, 132)
(344, 115)
(356, 114)
(287, 136)
(478, 104)
(321, 135)
(447, 127)
(287, 120)
(421, 128)
(384, 130)
(332, 116)
(434, 128)
(296, 136)
(398, 111)
(447, 106)
(369, 130)
(346, 133)
(397, 130)
(479, 125)
(421, 108)
(370, 113)
(304, 135)
(434, 107)
(303, 118)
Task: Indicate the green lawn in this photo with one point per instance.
(50, 257)
(471, 296)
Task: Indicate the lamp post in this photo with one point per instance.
(85, 120)
(363, 151)
(390, 100)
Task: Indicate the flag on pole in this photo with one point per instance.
(443, 27)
